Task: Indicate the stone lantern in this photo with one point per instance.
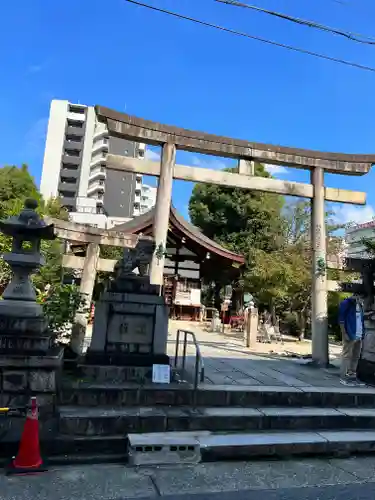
(29, 360)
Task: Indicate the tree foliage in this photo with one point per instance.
(273, 234)
(16, 184)
(60, 304)
(238, 218)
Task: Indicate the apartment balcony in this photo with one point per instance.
(101, 144)
(73, 145)
(102, 132)
(69, 172)
(97, 173)
(72, 160)
(79, 117)
(96, 187)
(67, 187)
(97, 160)
(68, 201)
(79, 132)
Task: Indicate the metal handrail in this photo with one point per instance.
(199, 364)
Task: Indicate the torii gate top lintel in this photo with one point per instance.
(150, 132)
(73, 232)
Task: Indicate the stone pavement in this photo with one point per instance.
(228, 362)
(110, 482)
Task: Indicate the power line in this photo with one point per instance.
(253, 37)
(355, 37)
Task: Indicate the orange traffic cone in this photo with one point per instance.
(28, 459)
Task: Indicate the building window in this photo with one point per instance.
(76, 109)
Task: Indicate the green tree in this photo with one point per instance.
(60, 304)
(16, 184)
(238, 218)
(244, 221)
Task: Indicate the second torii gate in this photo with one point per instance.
(170, 138)
(91, 263)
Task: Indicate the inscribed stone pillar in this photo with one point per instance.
(162, 209)
(251, 327)
(319, 322)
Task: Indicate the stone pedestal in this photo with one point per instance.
(30, 363)
(130, 332)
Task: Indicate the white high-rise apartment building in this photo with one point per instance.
(74, 169)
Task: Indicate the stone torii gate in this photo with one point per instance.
(91, 263)
(171, 138)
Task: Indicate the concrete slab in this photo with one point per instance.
(268, 438)
(299, 412)
(229, 362)
(221, 477)
(97, 482)
(348, 436)
(361, 467)
(231, 412)
(358, 412)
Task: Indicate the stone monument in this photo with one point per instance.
(29, 360)
(131, 323)
(251, 325)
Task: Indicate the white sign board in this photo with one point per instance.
(195, 296)
(161, 374)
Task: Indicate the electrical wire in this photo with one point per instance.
(253, 37)
(355, 37)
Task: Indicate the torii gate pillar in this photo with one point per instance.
(319, 320)
(162, 210)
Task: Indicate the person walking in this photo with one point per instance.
(353, 330)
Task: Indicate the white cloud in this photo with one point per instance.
(152, 155)
(275, 169)
(36, 136)
(357, 215)
(208, 163)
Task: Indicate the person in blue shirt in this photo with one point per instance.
(353, 330)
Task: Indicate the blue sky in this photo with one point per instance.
(147, 64)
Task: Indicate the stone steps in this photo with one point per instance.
(125, 395)
(227, 446)
(122, 421)
(208, 446)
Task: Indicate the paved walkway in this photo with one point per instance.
(228, 362)
(287, 480)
